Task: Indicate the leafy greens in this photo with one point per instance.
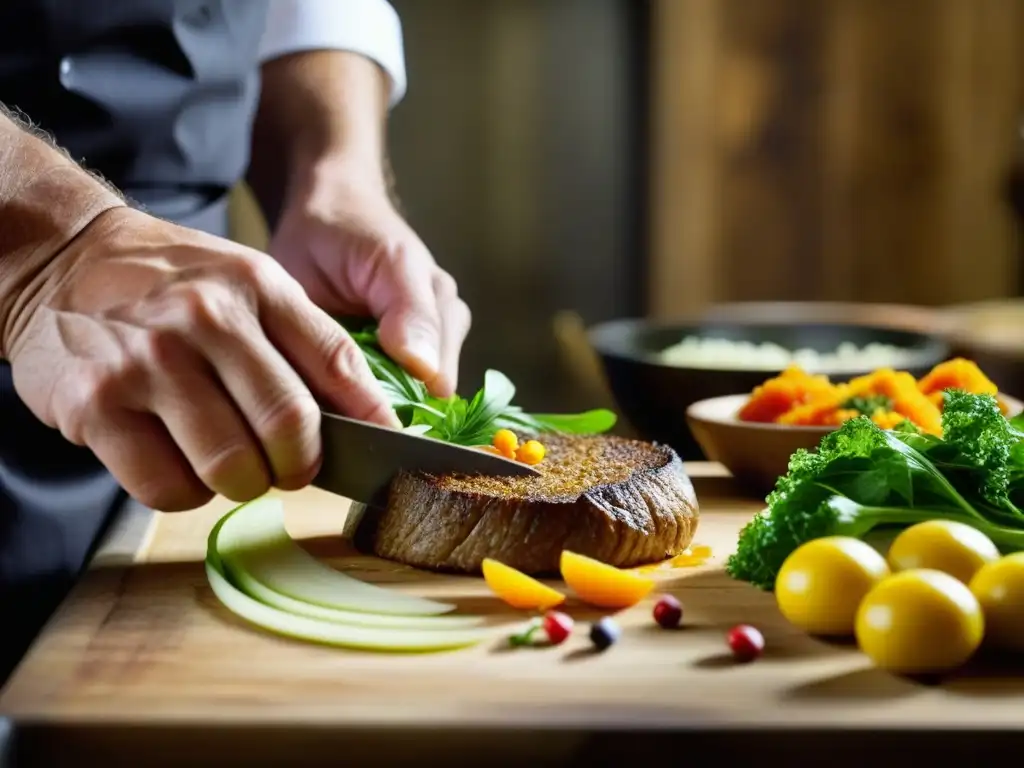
(863, 478)
(466, 422)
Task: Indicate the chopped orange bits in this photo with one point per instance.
(530, 452)
(956, 374)
(886, 396)
(506, 442)
(603, 585)
(517, 589)
(792, 387)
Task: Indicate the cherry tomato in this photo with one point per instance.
(557, 626)
(668, 612)
(745, 642)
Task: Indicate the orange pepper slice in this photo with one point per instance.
(603, 585)
(517, 589)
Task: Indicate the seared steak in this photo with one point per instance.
(624, 502)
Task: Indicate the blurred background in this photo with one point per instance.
(660, 158)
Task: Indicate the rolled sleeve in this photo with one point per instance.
(368, 27)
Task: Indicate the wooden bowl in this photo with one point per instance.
(758, 454)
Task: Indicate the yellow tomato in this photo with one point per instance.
(999, 587)
(920, 621)
(823, 581)
(942, 545)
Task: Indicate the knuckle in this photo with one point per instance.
(347, 358)
(207, 307)
(462, 313)
(445, 286)
(289, 419)
(165, 348)
(92, 397)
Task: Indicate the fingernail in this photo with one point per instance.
(424, 348)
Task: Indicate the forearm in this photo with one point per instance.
(322, 114)
(46, 199)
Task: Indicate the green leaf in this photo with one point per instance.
(455, 419)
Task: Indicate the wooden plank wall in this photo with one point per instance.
(834, 150)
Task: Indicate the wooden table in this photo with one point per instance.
(142, 659)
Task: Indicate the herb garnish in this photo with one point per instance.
(467, 422)
(868, 406)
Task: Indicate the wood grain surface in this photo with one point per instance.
(845, 150)
(147, 649)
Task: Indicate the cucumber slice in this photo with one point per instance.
(252, 540)
(245, 583)
(328, 633)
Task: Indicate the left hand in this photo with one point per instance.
(343, 241)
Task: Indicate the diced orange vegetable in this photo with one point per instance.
(791, 388)
(955, 374)
(517, 589)
(603, 585)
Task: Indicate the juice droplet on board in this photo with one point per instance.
(688, 558)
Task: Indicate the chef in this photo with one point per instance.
(144, 356)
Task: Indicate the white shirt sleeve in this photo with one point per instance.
(368, 27)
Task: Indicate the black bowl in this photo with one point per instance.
(653, 396)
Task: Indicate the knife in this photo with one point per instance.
(361, 459)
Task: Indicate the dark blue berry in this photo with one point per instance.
(604, 633)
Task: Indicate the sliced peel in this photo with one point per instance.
(253, 540)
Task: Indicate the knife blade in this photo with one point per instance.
(361, 459)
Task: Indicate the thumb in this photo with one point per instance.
(400, 295)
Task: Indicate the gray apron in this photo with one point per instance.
(158, 96)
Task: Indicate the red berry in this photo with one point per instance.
(668, 612)
(745, 642)
(557, 626)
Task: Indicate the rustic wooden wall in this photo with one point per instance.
(834, 149)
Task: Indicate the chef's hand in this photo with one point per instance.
(185, 362)
(345, 243)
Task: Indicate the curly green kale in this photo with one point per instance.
(863, 478)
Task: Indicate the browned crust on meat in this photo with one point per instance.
(624, 502)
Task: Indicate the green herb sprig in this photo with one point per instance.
(467, 422)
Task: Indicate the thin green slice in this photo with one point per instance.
(254, 589)
(328, 633)
(252, 539)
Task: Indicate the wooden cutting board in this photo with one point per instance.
(145, 648)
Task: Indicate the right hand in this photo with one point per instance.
(185, 362)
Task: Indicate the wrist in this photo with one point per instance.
(318, 184)
(46, 206)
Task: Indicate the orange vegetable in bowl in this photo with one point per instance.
(775, 397)
(603, 585)
(517, 589)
